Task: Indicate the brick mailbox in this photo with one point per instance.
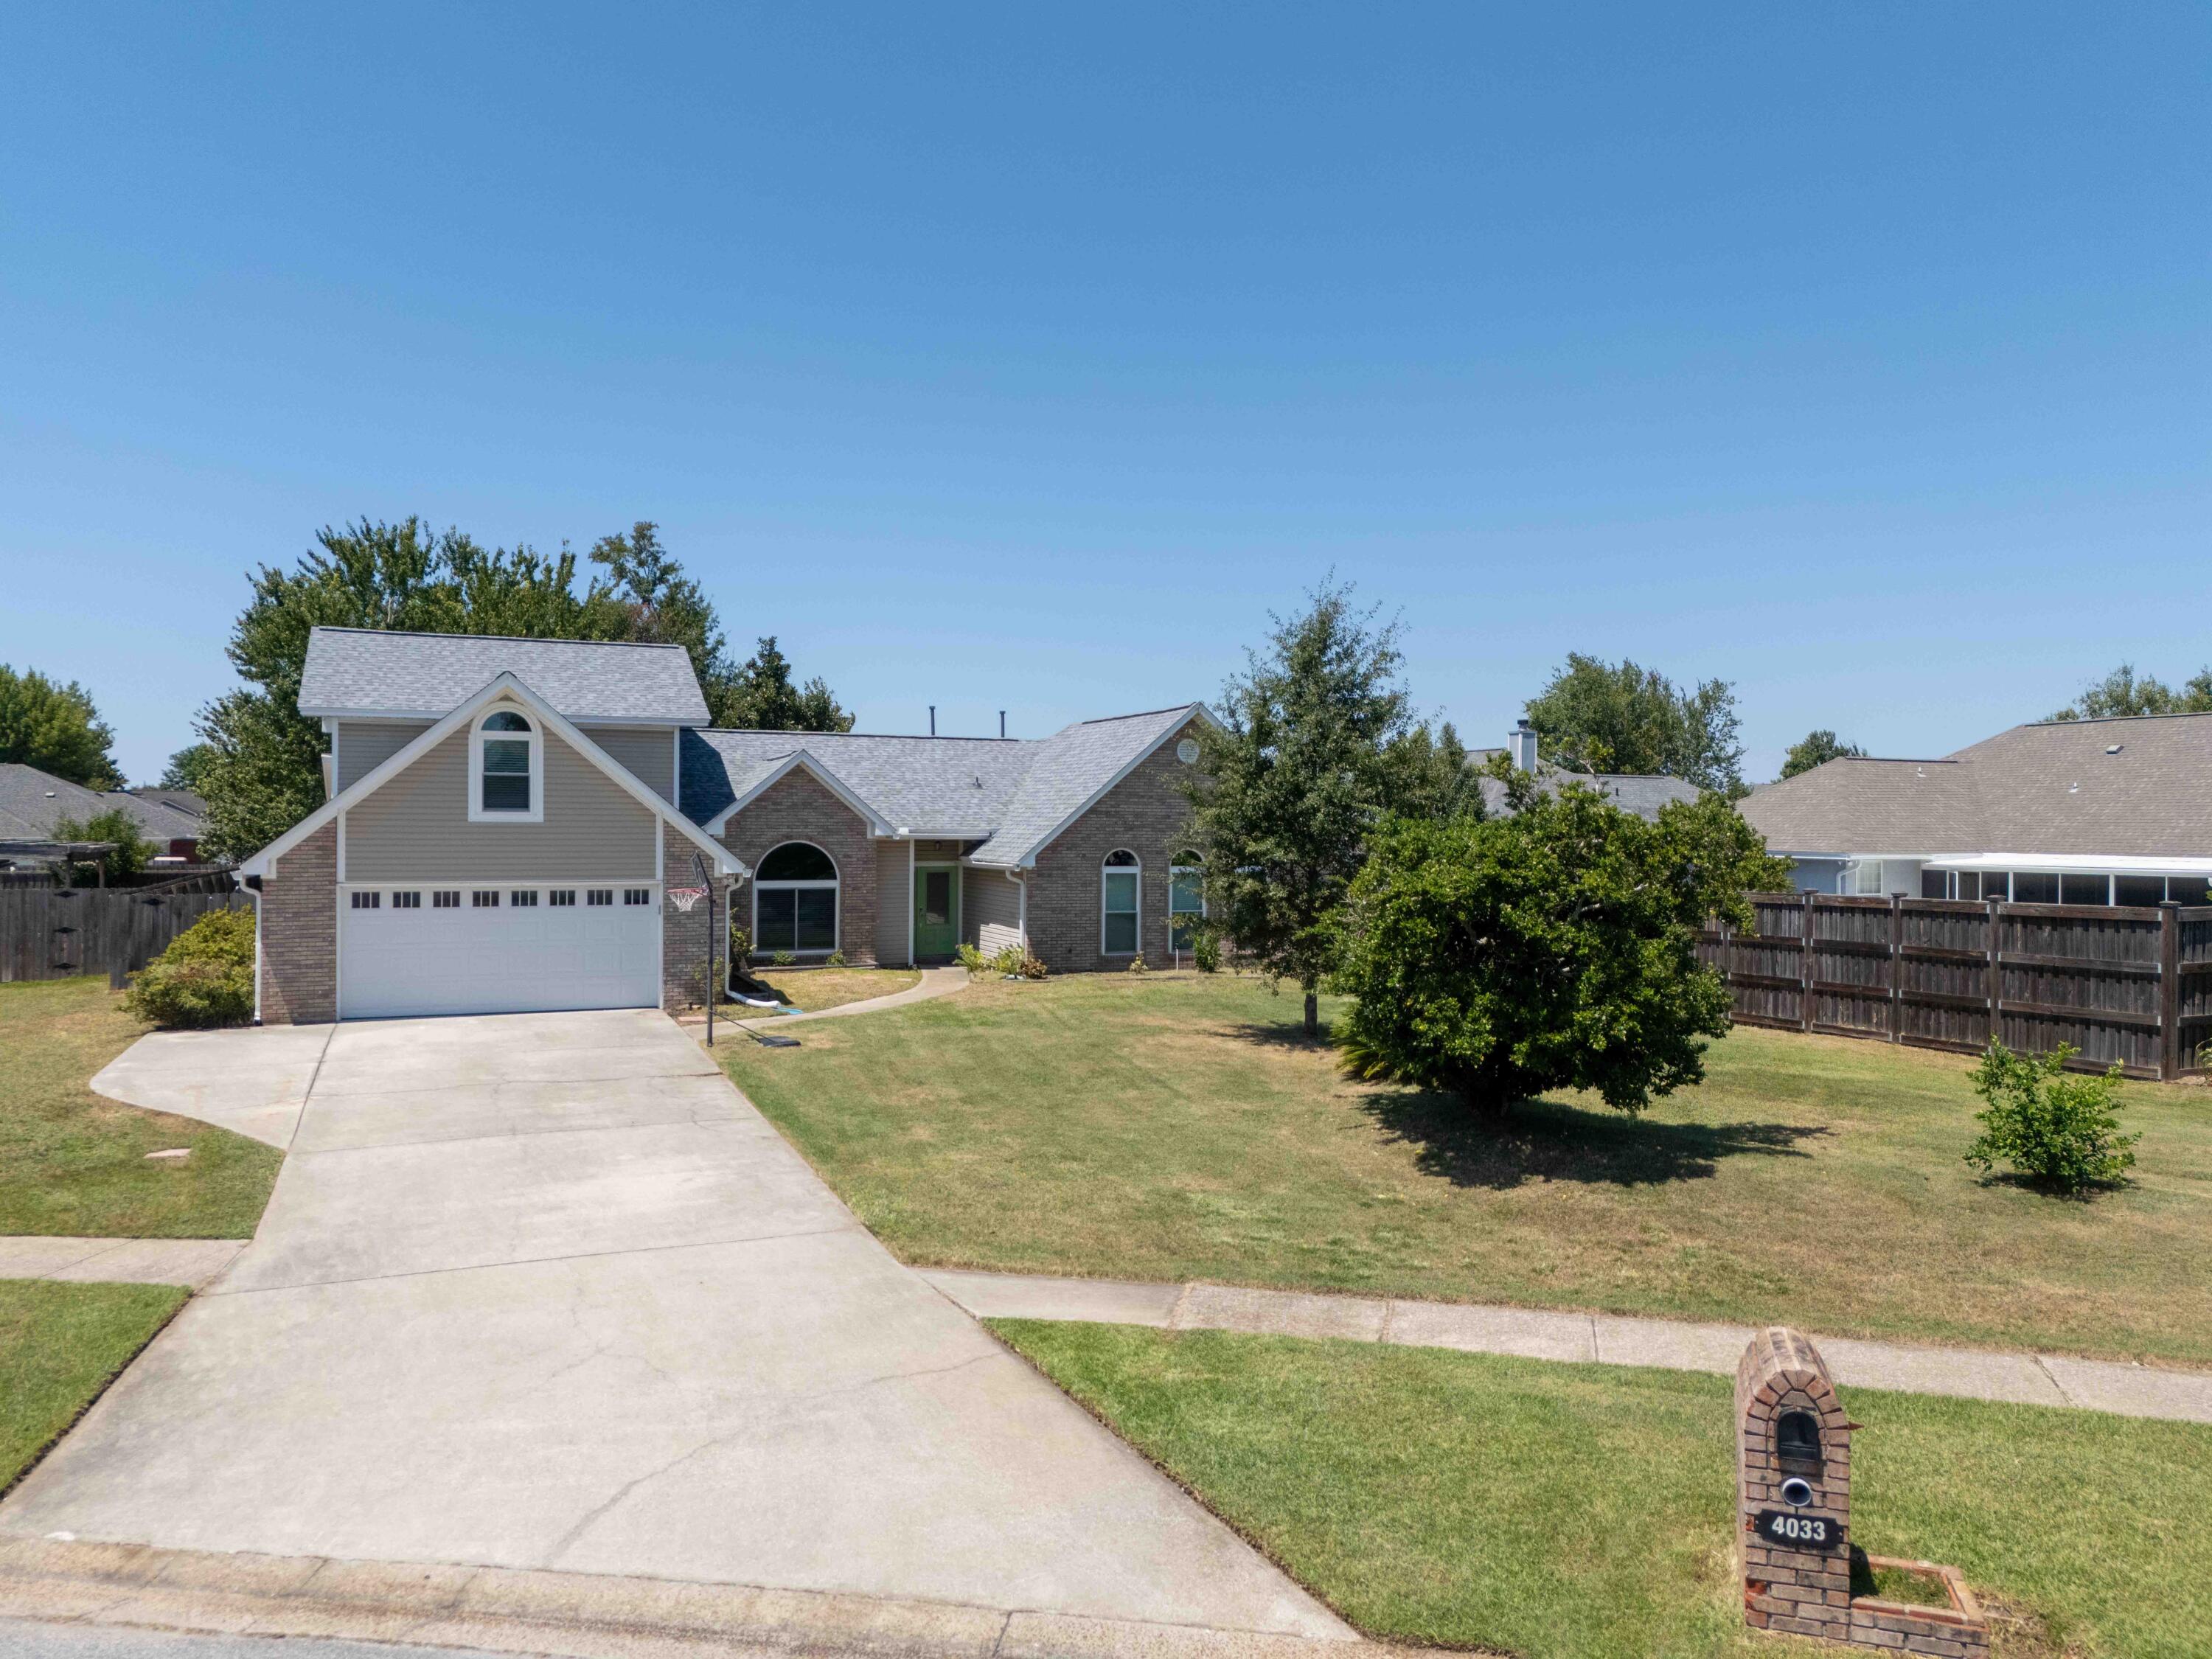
(1793, 1516)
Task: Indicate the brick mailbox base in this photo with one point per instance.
(1793, 1516)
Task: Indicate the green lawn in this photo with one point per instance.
(810, 990)
(1177, 1127)
(1565, 1511)
(60, 1345)
(73, 1163)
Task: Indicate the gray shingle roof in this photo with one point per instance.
(32, 802)
(1009, 794)
(2046, 787)
(359, 670)
(1642, 793)
(1071, 765)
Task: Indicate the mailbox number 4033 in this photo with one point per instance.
(1804, 1532)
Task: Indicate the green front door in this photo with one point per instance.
(936, 910)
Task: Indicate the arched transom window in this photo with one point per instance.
(1121, 902)
(506, 769)
(795, 901)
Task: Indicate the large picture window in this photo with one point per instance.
(506, 770)
(1120, 895)
(795, 901)
(1186, 899)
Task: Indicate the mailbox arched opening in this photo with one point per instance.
(1797, 1443)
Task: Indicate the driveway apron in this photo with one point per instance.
(545, 1291)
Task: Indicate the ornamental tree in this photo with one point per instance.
(1554, 948)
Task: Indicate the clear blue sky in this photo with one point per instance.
(1026, 357)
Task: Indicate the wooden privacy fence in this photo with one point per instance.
(2119, 983)
(51, 932)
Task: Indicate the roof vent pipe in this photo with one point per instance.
(1522, 744)
(933, 720)
(1002, 722)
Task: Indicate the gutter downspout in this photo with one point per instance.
(1021, 905)
(253, 885)
(908, 839)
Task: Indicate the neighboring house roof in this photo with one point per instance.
(927, 785)
(32, 802)
(2134, 787)
(178, 800)
(1642, 793)
(369, 671)
(506, 686)
(1013, 795)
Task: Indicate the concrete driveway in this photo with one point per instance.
(545, 1291)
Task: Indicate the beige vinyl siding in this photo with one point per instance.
(417, 827)
(649, 751)
(364, 746)
(894, 899)
(990, 911)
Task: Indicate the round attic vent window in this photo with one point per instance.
(1187, 751)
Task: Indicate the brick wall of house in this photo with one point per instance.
(799, 807)
(300, 933)
(684, 938)
(1144, 813)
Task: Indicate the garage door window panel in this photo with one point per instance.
(795, 901)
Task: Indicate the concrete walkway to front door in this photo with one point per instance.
(545, 1292)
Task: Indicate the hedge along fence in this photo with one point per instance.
(52, 932)
(2118, 982)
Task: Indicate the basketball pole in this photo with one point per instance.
(707, 881)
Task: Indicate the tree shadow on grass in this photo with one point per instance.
(1545, 1140)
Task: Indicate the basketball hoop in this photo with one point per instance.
(684, 897)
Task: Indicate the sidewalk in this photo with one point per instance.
(191, 1263)
(1603, 1339)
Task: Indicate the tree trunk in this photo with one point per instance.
(1313, 1014)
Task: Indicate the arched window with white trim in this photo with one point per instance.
(1121, 902)
(795, 901)
(506, 770)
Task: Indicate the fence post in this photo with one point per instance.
(1805, 967)
(1896, 967)
(2169, 992)
(1997, 979)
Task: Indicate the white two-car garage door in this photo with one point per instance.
(468, 949)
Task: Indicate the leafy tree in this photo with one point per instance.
(1314, 749)
(1554, 947)
(1595, 716)
(761, 697)
(2057, 1132)
(131, 853)
(187, 768)
(2120, 693)
(1817, 749)
(54, 727)
(258, 764)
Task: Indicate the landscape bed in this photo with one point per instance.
(1568, 1511)
(1172, 1127)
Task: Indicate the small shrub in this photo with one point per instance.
(835, 959)
(783, 958)
(205, 978)
(1205, 953)
(2057, 1130)
(1137, 964)
(973, 959)
(741, 947)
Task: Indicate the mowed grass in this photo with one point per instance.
(60, 1345)
(73, 1163)
(1585, 1511)
(1177, 1127)
(810, 990)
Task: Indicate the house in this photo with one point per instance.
(2098, 811)
(33, 803)
(506, 819)
(1641, 792)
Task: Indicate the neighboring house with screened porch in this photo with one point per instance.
(506, 819)
(2100, 811)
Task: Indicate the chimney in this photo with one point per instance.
(1523, 743)
(933, 720)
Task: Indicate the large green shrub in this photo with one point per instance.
(1555, 948)
(2057, 1130)
(205, 978)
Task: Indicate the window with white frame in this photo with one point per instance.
(1121, 901)
(795, 901)
(1186, 899)
(1866, 876)
(507, 772)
